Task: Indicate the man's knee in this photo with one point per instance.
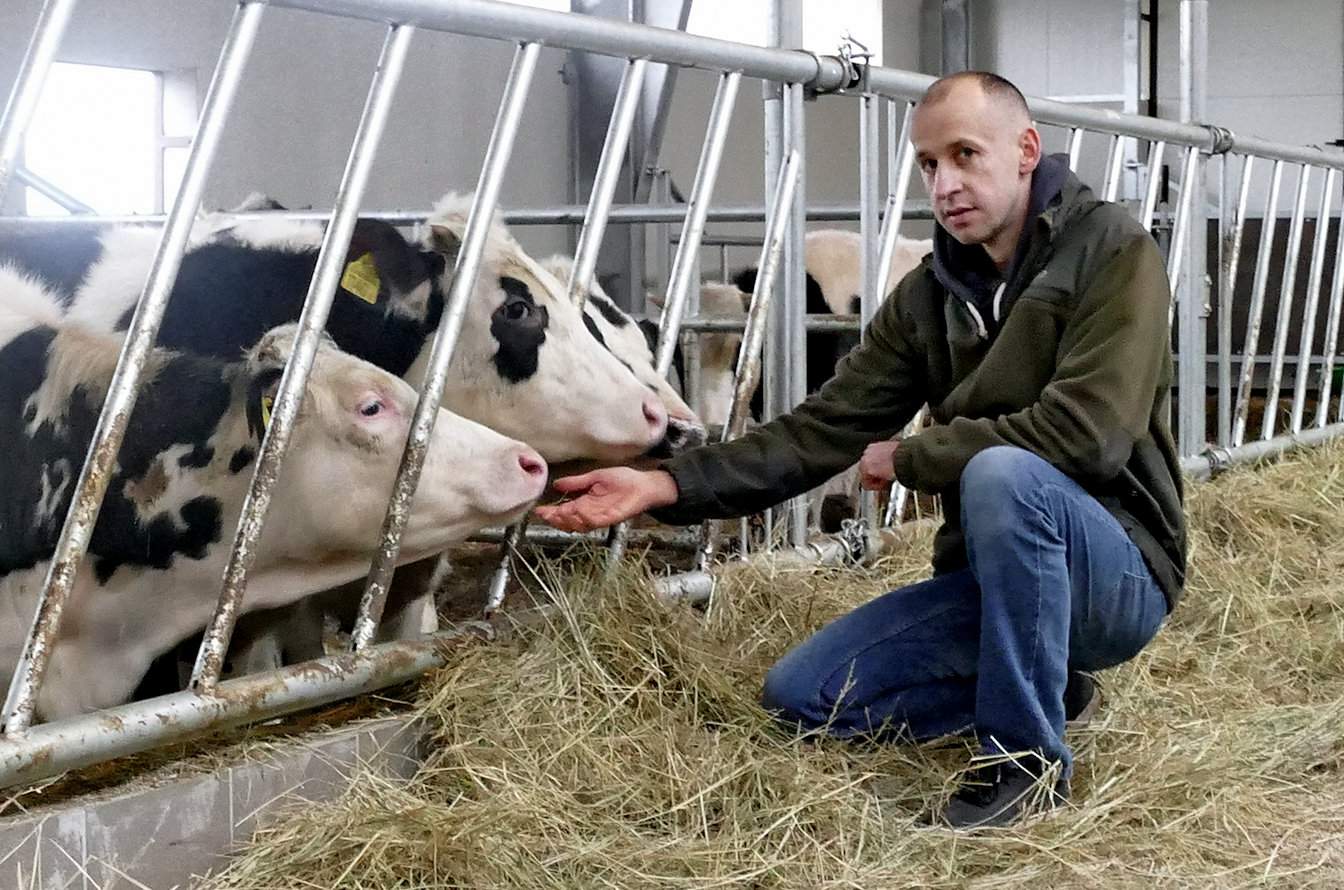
(789, 693)
(1001, 470)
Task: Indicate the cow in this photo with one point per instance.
(158, 550)
(833, 261)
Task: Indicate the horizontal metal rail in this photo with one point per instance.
(48, 749)
(550, 537)
(1214, 460)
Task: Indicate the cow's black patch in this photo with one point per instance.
(198, 457)
(594, 329)
(181, 405)
(228, 295)
(650, 331)
(60, 259)
(609, 311)
(519, 327)
(241, 458)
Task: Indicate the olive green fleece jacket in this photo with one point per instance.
(1079, 373)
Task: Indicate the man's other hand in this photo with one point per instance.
(876, 470)
(605, 497)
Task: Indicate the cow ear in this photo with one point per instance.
(445, 241)
(746, 280)
(261, 389)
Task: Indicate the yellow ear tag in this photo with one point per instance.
(361, 279)
(266, 403)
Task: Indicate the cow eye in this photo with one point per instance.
(517, 310)
(371, 408)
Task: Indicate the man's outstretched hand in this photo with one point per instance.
(876, 468)
(607, 496)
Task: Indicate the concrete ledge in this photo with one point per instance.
(160, 837)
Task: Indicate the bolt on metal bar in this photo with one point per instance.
(122, 390)
(1313, 299)
(870, 288)
(747, 374)
(684, 264)
(1228, 268)
(1257, 307)
(50, 190)
(605, 180)
(1075, 147)
(1332, 330)
(1155, 156)
(1110, 186)
(502, 139)
(1286, 295)
(294, 382)
(27, 89)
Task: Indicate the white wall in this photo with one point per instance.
(291, 128)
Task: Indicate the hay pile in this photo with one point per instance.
(621, 745)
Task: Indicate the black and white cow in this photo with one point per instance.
(158, 550)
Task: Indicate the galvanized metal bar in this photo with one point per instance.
(1156, 150)
(794, 300)
(1286, 296)
(605, 180)
(1314, 278)
(1192, 259)
(747, 373)
(1110, 186)
(27, 89)
(1180, 228)
(1332, 330)
(497, 154)
(51, 191)
(1257, 307)
(499, 580)
(122, 390)
(53, 748)
(1075, 147)
(680, 539)
(1202, 466)
(1230, 262)
(294, 382)
(870, 185)
(683, 276)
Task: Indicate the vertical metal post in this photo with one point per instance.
(483, 203)
(1332, 328)
(688, 249)
(1227, 287)
(1286, 295)
(795, 295)
(122, 390)
(747, 374)
(27, 89)
(1155, 152)
(1257, 307)
(1075, 147)
(1313, 298)
(293, 384)
(1192, 334)
(870, 292)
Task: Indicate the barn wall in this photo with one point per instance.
(291, 129)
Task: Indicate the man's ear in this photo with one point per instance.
(1029, 143)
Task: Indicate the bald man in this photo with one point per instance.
(1037, 333)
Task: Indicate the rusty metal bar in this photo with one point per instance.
(686, 260)
(1257, 307)
(1180, 228)
(122, 390)
(1286, 295)
(1314, 278)
(483, 203)
(747, 374)
(1230, 261)
(27, 89)
(294, 382)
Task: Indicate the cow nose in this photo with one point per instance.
(531, 463)
(656, 415)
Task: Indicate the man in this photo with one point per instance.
(1037, 333)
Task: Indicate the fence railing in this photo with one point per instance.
(29, 752)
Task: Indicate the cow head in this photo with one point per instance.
(525, 363)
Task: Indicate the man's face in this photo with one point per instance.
(976, 159)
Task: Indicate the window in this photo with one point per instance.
(113, 139)
(825, 23)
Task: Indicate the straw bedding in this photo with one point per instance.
(619, 743)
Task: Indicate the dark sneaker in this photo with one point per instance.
(999, 792)
(1082, 699)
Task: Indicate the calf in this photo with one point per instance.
(162, 538)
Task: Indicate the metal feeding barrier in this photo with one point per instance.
(775, 326)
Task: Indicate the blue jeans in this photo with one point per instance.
(1054, 583)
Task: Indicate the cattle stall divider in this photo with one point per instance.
(31, 752)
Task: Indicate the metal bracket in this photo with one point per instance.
(854, 59)
(1219, 459)
(1222, 139)
(853, 535)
